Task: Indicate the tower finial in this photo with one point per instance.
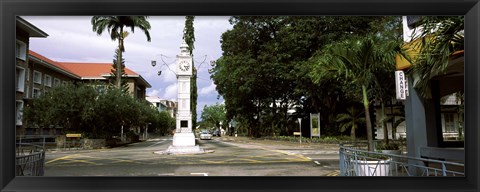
(184, 48)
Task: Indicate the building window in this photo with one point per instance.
(21, 50)
(56, 82)
(449, 126)
(48, 80)
(36, 93)
(37, 77)
(20, 79)
(19, 112)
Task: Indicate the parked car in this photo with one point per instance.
(217, 133)
(205, 135)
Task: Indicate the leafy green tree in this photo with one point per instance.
(189, 37)
(356, 63)
(265, 66)
(213, 115)
(351, 120)
(440, 37)
(164, 123)
(64, 106)
(115, 26)
(113, 72)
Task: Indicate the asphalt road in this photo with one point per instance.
(227, 156)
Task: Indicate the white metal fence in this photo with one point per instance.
(355, 160)
(29, 160)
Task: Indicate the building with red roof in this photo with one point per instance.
(42, 74)
(47, 73)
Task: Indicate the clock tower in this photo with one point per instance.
(184, 73)
(184, 138)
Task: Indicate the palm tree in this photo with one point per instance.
(115, 26)
(357, 62)
(351, 119)
(440, 37)
(113, 72)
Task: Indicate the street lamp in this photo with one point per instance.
(300, 125)
(154, 63)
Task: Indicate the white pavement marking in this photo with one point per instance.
(309, 158)
(317, 162)
(166, 174)
(204, 174)
(157, 143)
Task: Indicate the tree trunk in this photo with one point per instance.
(118, 78)
(352, 132)
(367, 118)
(384, 124)
(394, 129)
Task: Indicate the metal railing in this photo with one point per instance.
(29, 160)
(355, 160)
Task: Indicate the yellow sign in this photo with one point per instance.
(315, 124)
(74, 135)
(412, 49)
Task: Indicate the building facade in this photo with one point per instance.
(163, 105)
(23, 72)
(36, 74)
(425, 127)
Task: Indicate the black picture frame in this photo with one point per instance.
(11, 8)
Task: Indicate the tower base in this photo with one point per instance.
(184, 139)
(176, 150)
(183, 143)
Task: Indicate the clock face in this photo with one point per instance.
(184, 66)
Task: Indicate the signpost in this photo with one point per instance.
(300, 124)
(401, 85)
(314, 125)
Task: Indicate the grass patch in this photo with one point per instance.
(324, 139)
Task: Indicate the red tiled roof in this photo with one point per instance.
(49, 61)
(93, 70)
(84, 70)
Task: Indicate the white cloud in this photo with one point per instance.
(153, 93)
(71, 39)
(170, 92)
(207, 90)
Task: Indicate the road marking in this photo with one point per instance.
(309, 158)
(160, 142)
(204, 174)
(61, 158)
(316, 162)
(335, 173)
(78, 161)
(166, 174)
(289, 153)
(244, 159)
(213, 162)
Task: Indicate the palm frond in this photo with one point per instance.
(440, 37)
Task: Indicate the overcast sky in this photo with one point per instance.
(71, 39)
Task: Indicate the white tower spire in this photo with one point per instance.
(184, 139)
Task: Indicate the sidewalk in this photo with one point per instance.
(275, 144)
(322, 155)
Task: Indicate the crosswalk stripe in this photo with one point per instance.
(335, 173)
